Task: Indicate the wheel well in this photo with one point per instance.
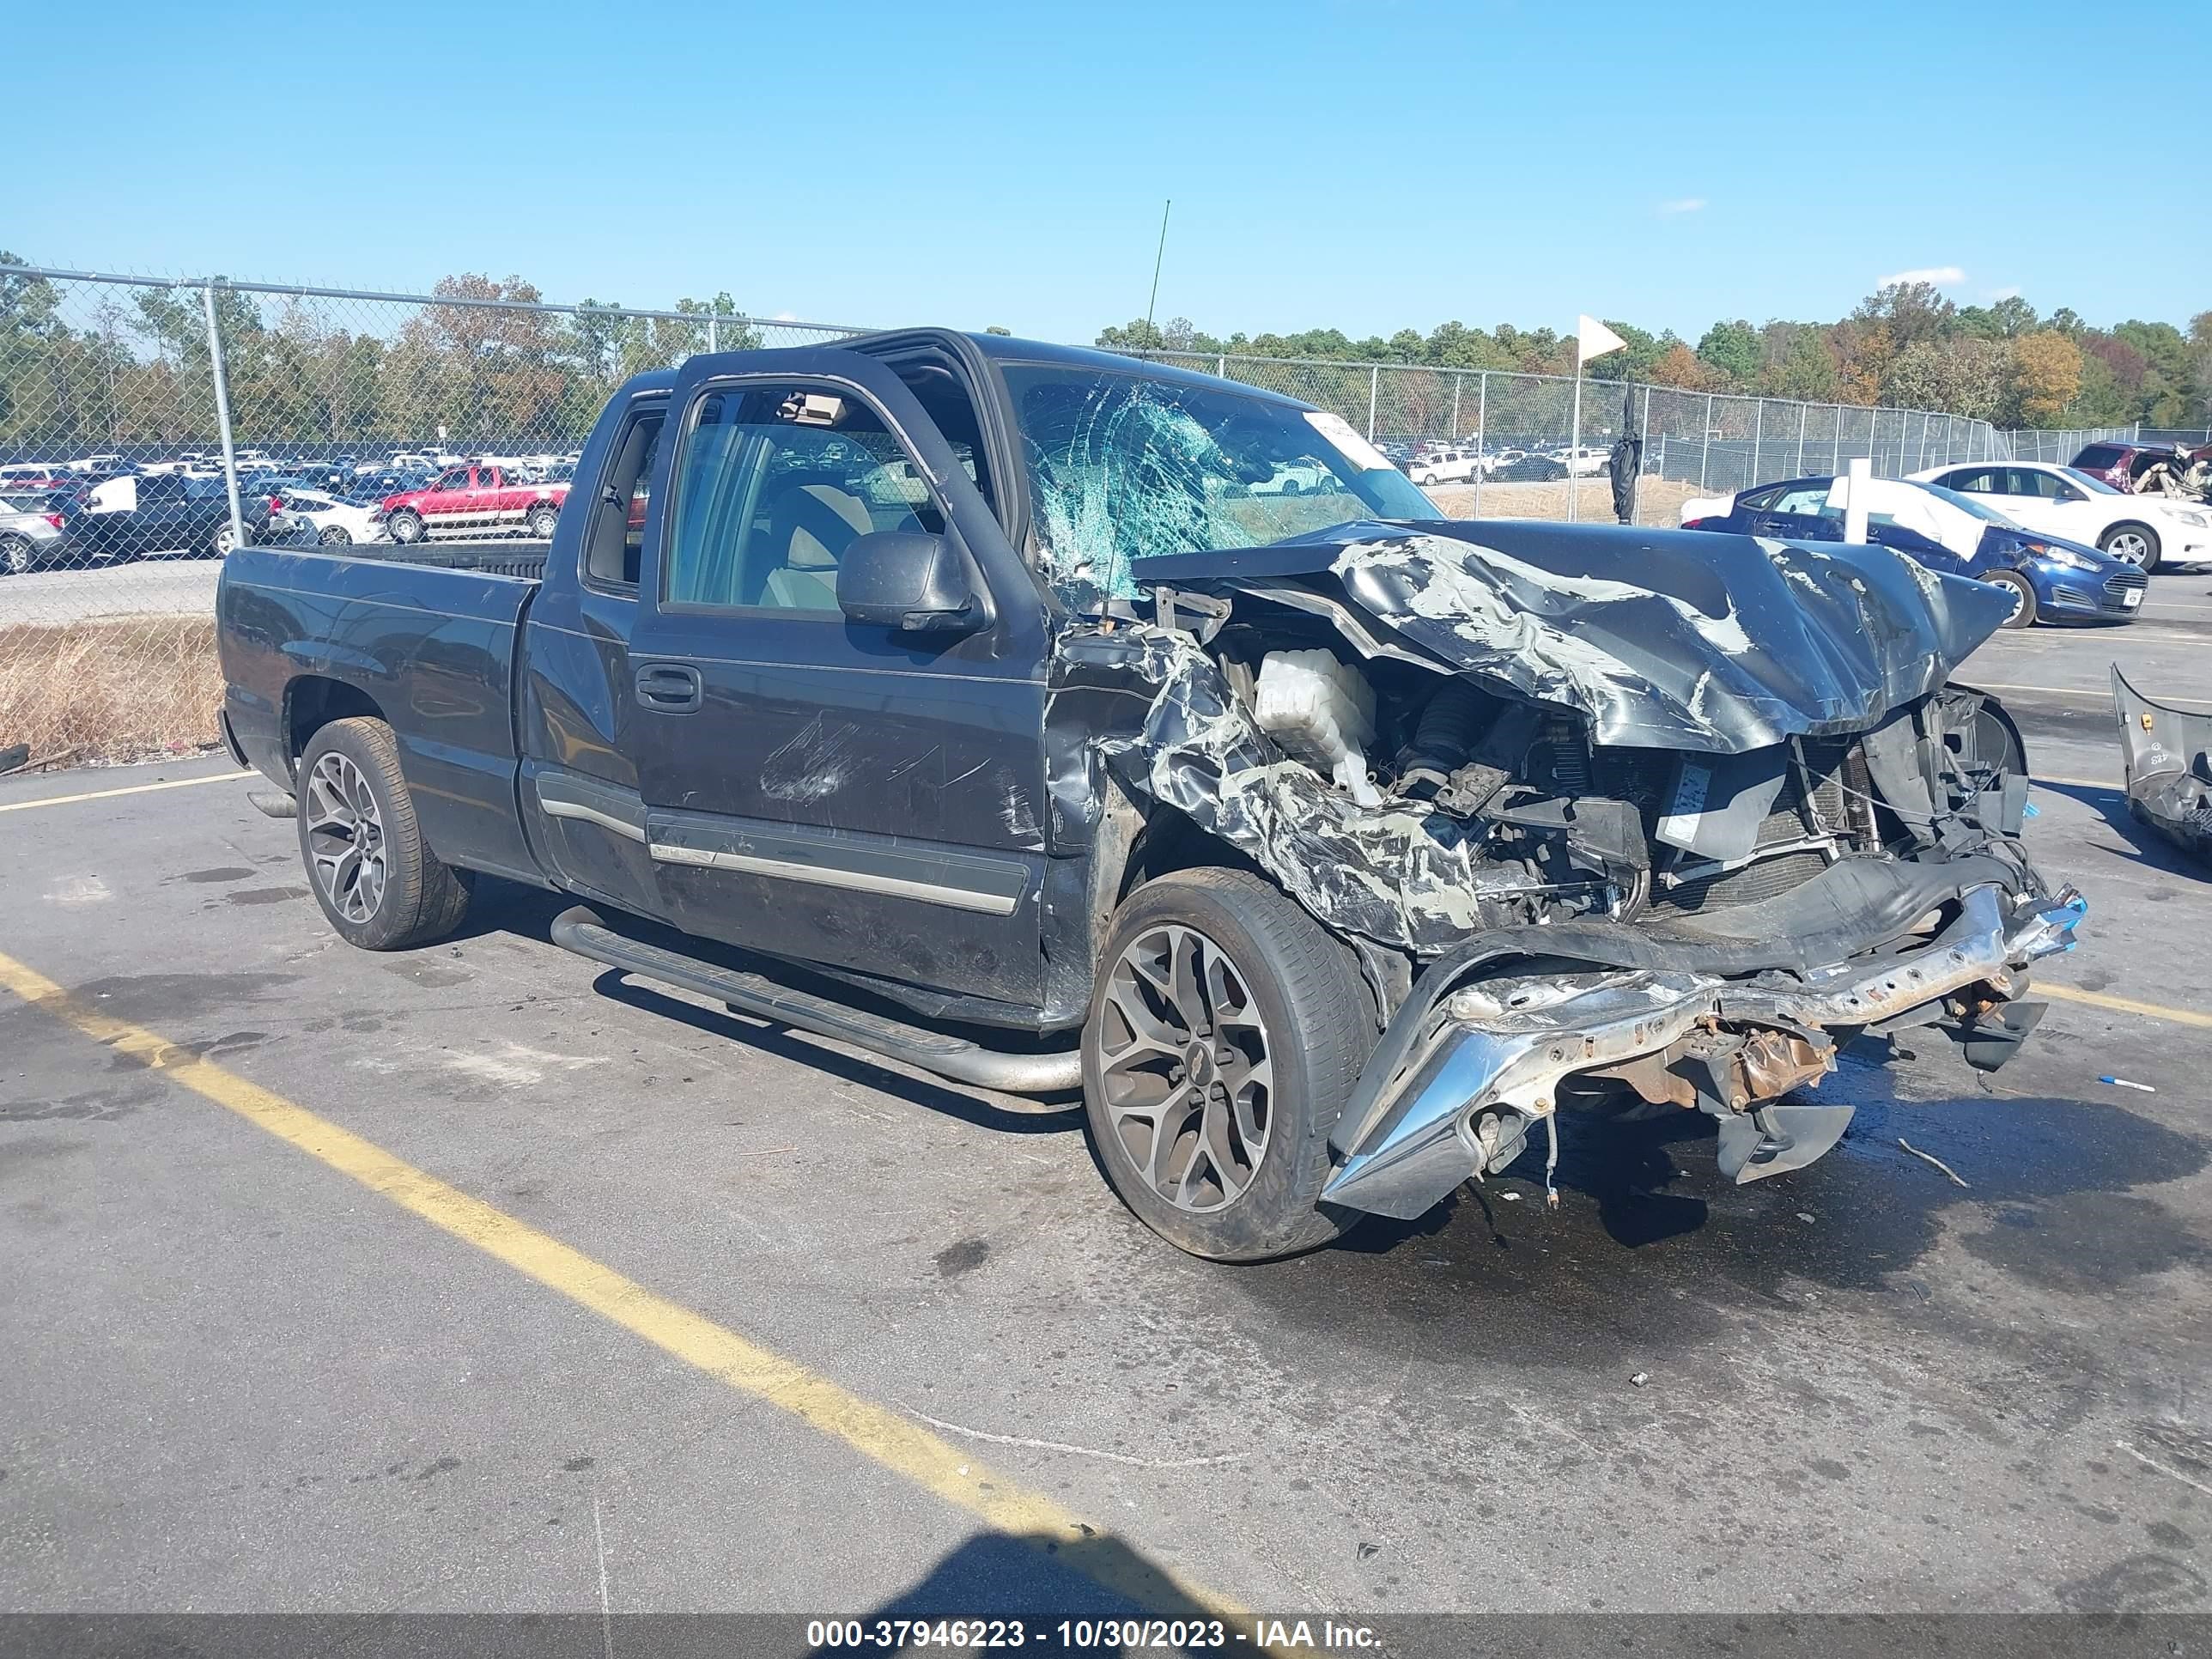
(1170, 842)
(313, 701)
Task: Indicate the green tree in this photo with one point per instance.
(1732, 351)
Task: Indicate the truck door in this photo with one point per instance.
(824, 789)
(578, 709)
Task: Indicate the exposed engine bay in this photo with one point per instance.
(1596, 838)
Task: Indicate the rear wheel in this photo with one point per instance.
(16, 558)
(1226, 1032)
(2137, 543)
(541, 521)
(2023, 592)
(404, 526)
(376, 878)
(336, 536)
(223, 540)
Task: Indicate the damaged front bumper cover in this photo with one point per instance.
(2167, 753)
(1489, 1058)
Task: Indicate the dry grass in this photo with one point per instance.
(1658, 500)
(124, 688)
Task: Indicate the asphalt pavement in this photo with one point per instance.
(477, 1278)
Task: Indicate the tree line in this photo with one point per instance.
(1905, 346)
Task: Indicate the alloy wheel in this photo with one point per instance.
(2131, 545)
(1186, 1067)
(346, 837)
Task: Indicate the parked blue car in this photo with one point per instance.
(2056, 580)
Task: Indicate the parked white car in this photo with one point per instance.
(335, 522)
(1442, 466)
(1583, 460)
(2146, 530)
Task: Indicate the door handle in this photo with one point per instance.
(671, 688)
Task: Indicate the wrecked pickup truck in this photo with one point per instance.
(997, 707)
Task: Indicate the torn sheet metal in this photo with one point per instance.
(1397, 874)
(2169, 756)
(1663, 639)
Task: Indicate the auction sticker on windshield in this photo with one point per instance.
(1348, 442)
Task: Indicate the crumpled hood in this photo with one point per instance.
(1663, 639)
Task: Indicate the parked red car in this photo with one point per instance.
(479, 498)
(2120, 465)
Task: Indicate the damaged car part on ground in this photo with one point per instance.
(2167, 755)
(1011, 686)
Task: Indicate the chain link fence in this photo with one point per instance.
(122, 398)
(1504, 445)
(116, 504)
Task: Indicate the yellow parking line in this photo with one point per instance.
(883, 1436)
(109, 794)
(2123, 1005)
(2080, 783)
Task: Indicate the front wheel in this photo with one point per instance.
(376, 878)
(1226, 1030)
(2137, 543)
(223, 541)
(404, 527)
(2023, 592)
(16, 558)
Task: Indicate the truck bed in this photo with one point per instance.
(424, 638)
(504, 557)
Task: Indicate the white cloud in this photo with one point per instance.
(785, 317)
(1941, 275)
(1683, 204)
(2010, 291)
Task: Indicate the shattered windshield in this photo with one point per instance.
(1122, 466)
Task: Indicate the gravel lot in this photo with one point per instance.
(242, 1379)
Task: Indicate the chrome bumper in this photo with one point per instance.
(1503, 1047)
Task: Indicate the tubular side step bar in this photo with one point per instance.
(580, 930)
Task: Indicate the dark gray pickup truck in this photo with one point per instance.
(1053, 721)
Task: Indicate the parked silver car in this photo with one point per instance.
(33, 533)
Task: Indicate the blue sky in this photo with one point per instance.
(1363, 165)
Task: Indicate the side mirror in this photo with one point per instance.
(904, 579)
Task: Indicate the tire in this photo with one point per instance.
(221, 540)
(1295, 1001)
(404, 527)
(2023, 614)
(2137, 543)
(336, 536)
(539, 525)
(16, 558)
(349, 776)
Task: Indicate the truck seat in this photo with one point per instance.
(812, 525)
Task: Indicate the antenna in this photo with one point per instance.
(1157, 258)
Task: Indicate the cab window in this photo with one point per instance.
(772, 485)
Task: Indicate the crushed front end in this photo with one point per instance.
(1623, 819)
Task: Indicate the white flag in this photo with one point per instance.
(1595, 339)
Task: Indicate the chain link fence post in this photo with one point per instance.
(1636, 485)
(1705, 447)
(1481, 431)
(220, 381)
(1374, 386)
